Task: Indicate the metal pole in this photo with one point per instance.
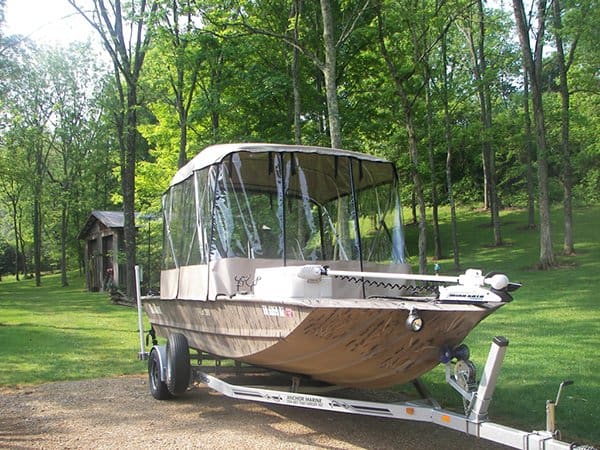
(487, 385)
(142, 354)
(149, 259)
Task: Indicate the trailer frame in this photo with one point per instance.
(474, 422)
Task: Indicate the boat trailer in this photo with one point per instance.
(474, 422)
(460, 375)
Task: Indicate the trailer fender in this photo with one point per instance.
(161, 351)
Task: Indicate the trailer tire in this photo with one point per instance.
(158, 388)
(179, 369)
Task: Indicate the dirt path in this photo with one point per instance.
(120, 413)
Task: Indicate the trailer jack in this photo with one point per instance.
(551, 411)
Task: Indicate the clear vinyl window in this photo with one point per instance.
(289, 206)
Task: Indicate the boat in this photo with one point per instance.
(292, 258)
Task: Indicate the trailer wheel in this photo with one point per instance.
(179, 369)
(158, 388)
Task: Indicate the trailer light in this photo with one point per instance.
(414, 321)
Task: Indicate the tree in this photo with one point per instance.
(125, 35)
(437, 240)
(406, 71)
(529, 153)
(12, 187)
(564, 63)
(198, 107)
(75, 80)
(294, 33)
(182, 59)
(475, 33)
(33, 101)
(532, 61)
(449, 152)
(329, 69)
(13, 177)
(333, 38)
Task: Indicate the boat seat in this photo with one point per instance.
(232, 275)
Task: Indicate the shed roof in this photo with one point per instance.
(110, 219)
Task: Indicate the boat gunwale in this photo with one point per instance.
(431, 304)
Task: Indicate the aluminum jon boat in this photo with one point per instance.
(292, 258)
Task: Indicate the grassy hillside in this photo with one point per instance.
(53, 333)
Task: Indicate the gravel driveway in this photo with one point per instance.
(120, 413)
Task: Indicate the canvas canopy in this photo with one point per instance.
(284, 204)
(217, 153)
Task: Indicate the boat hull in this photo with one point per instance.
(357, 343)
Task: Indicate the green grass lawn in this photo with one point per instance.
(53, 333)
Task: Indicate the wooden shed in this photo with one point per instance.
(103, 235)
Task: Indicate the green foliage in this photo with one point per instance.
(7, 258)
(55, 149)
(585, 129)
(239, 55)
(588, 190)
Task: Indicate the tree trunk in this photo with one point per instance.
(414, 155)
(329, 73)
(63, 245)
(485, 108)
(182, 159)
(37, 213)
(333, 114)
(178, 88)
(448, 135)
(567, 170)
(37, 240)
(128, 187)
(413, 207)
(181, 110)
(528, 154)
(22, 245)
(437, 241)
(214, 99)
(215, 127)
(183, 98)
(16, 227)
(295, 14)
(533, 66)
(488, 125)
(127, 52)
(407, 106)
